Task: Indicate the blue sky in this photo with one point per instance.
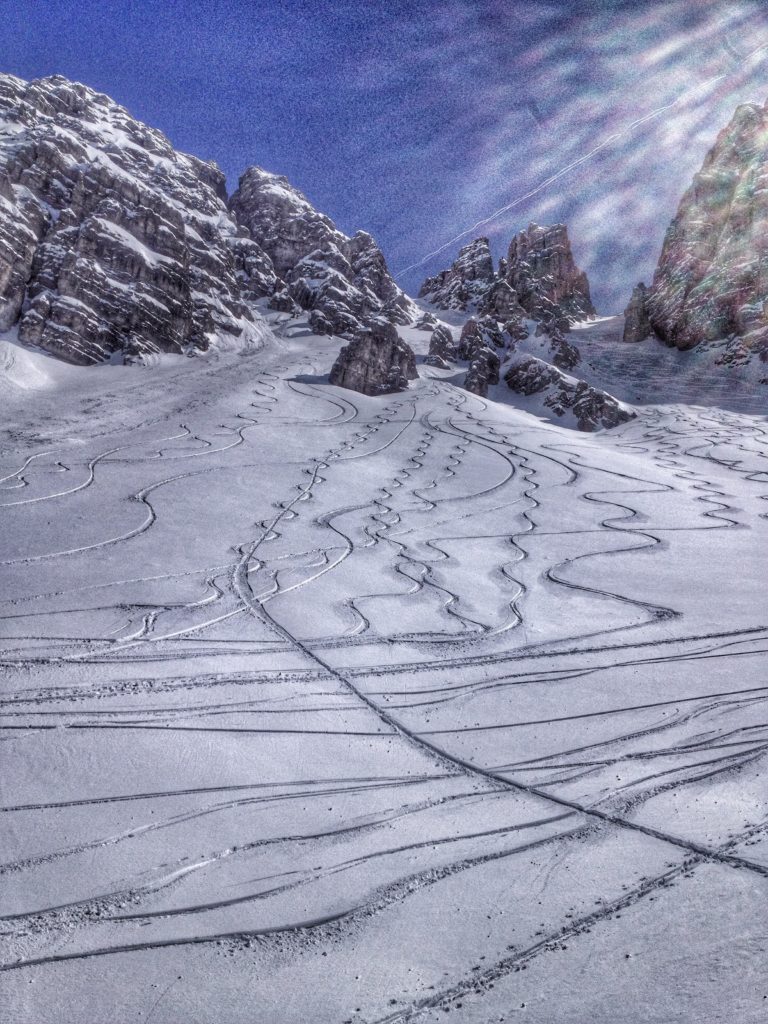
(417, 120)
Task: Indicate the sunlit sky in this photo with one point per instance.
(418, 120)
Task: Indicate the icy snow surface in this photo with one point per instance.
(319, 707)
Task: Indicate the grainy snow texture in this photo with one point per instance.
(321, 707)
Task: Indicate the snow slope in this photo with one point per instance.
(333, 708)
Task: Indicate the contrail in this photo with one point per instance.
(582, 159)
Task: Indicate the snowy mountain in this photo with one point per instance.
(349, 684)
(113, 244)
(343, 281)
(110, 240)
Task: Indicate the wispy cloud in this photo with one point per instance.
(598, 116)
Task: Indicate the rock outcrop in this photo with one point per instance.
(566, 396)
(442, 348)
(538, 279)
(501, 302)
(564, 355)
(376, 362)
(479, 333)
(110, 240)
(344, 281)
(543, 273)
(637, 323)
(465, 284)
(479, 344)
(711, 283)
(483, 370)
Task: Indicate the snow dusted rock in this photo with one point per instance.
(465, 284)
(376, 362)
(537, 279)
(500, 301)
(478, 344)
(345, 279)
(110, 240)
(482, 333)
(566, 396)
(711, 282)
(442, 348)
(637, 325)
(564, 355)
(426, 322)
(483, 370)
(543, 273)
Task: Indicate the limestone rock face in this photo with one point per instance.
(110, 240)
(543, 273)
(345, 280)
(442, 348)
(637, 323)
(484, 333)
(376, 362)
(479, 344)
(500, 301)
(465, 284)
(711, 282)
(564, 355)
(538, 279)
(591, 408)
(483, 371)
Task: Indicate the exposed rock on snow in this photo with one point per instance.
(563, 394)
(465, 284)
(442, 348)
(501, 302)
(110, 240)
(637, 325)
(479, 342)
(542, 271)
(539, 279)
(482, 333)
(711, 282)
(344, 279)
(483, 370)
(564, 355)
(426, 322)
(376, 362)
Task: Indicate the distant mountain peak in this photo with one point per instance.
(539, 275)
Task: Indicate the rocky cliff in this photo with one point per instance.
(115, 245)
(342, 280)
(543, 274)
(466, 283)
(637, 324)
(711, 282)
(538, 278)
(110, 240)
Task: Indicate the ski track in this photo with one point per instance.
(396, 647)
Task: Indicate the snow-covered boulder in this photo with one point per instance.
(566, 396)
(376, 362)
